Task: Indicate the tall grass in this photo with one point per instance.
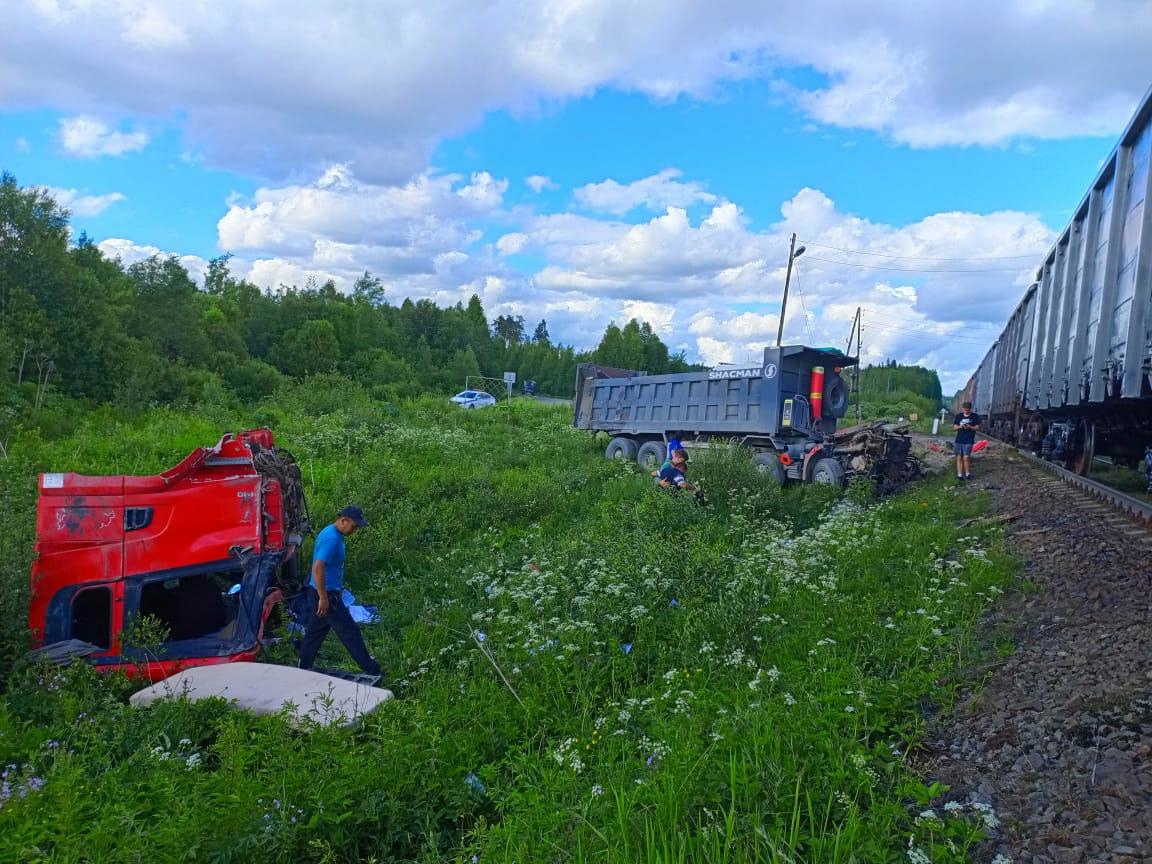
(588, 669)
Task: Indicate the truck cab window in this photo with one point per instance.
(194, 606)
(92, 616)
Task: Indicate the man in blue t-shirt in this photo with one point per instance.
(671, 473)
(326, 609)
(966, 424)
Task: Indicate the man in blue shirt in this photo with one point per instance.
(671, 473)
(326, 609)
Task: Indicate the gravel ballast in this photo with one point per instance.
(1057, 736)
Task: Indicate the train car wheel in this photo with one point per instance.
(1086, 449)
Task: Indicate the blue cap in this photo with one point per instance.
(356, 515)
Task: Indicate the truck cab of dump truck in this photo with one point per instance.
(199, 550)
(784, 409)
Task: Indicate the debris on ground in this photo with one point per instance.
(881, 451)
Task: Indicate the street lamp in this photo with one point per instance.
(793, 254)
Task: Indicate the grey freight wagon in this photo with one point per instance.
(770, 408)
(1073, 367)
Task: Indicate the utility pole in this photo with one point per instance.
(856, 368)
(856, 334)
(793, 254)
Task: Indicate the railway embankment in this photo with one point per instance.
(1056, 731)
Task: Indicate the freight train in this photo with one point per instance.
(1070, 377)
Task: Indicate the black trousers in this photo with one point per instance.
(340, 620)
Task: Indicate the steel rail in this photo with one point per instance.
(1138, 508)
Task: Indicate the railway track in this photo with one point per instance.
(1136, 509)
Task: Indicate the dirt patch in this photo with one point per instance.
(1057, 736)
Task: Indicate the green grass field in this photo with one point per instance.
(587, 669)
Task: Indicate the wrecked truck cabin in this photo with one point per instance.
(203, 549)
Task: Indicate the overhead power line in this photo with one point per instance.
(919, 321)
(1032, 255)
(927, 334)
(919, 269)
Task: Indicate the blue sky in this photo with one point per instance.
(591, 161)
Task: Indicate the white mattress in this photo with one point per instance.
(265, 688)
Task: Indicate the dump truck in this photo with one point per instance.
(784, 410)
(202, 550)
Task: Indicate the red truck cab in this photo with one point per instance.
(200, 549)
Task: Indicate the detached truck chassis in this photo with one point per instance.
(783, 410)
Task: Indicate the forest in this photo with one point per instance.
(890, 389)
(74, 323)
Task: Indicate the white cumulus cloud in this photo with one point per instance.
(81, 204)
(87, 136)
(129, 252)
(656, 193)
(538, 183)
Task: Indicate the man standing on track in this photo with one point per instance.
(326, 609)
(966, 424)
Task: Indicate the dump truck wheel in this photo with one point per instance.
(651, 455)
(621, 448)
(827, 472)
(770, 466)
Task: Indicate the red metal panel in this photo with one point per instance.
(196, 521)
(79, 539)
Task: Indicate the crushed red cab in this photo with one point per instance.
(202, 549)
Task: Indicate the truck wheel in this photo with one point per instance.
(827, 472)
(621, 448)
(651, 455)
(769, 464)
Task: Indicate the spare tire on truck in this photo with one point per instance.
(651, 454)
(836, 399)
(769, 464)
(621, 448)
(826, 471)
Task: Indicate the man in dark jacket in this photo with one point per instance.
(966, 425)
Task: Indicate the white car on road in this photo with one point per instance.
(473, 399)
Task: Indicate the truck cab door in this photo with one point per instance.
(75, 587)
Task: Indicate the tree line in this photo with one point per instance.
(76, 323)
(891, 389)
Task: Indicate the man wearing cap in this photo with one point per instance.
(326, 609)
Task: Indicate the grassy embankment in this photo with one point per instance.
(739, 682)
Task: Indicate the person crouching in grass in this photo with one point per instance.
(671, 473)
